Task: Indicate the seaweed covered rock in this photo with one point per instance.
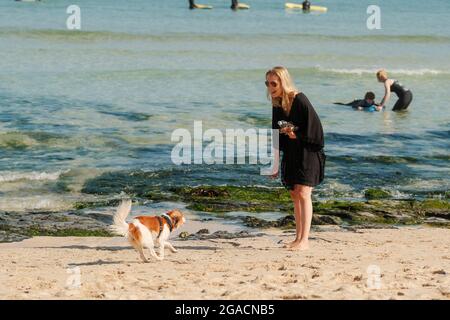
(376, 193)
(288, 222)
(254, 222)
(318, 219)
(184, 235)
(209, 192)
(234, 198)
(17, 226)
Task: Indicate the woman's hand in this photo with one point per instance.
(289, 132)
(274, 176)
(387, 94)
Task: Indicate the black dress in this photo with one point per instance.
(303, 160)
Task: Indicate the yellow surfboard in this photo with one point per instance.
(290, 5)
(243, 6)
(203, 6)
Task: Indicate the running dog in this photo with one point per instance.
(142, 229)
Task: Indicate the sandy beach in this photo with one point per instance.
(405, 263)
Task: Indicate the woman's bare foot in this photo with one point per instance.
(300, 245)
(291, 244)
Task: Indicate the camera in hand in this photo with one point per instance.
(286, 124)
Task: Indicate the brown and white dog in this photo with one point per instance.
(141, 230)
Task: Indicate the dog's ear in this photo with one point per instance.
(176, 217)
(172, 216)
(176, 221)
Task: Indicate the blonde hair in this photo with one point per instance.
(382, 74)
(287, 86)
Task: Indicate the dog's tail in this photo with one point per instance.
(120, 226)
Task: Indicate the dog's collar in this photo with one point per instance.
(168, 220)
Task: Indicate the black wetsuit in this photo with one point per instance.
(404, 96)
(306, 5)
(303, 159)
(357, 103)
(191, 4)
(234, 4)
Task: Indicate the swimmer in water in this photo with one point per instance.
(404, 95)
(306, 5)
(362, 104)
(192, 4)
(234, 4)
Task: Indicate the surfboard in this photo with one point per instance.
(203, 6)
(290, 5)
(243, 6)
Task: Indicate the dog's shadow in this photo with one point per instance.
(197, 248)
(98, 263)
(105, 248)
(117, 248)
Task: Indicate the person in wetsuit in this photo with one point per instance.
(234, 4)
(404, 95)
(361, 104)
(301, 144)
(192, 4)
(306, 5)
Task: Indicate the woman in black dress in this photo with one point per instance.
(301, 143)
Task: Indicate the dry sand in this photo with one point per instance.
(413, 263)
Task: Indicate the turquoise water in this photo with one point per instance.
(103, 101)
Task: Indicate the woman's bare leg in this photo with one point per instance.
(304, 195)
(297, 215)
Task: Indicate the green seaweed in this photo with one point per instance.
(95, 204)
(234, 192)
(219, 200)
(376, 193)
(233, 198)
(435, 204)
(34, 230)
(326, 206)
(67, 232)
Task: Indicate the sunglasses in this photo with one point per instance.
(271, 83)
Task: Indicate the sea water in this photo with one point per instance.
(103, 101)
